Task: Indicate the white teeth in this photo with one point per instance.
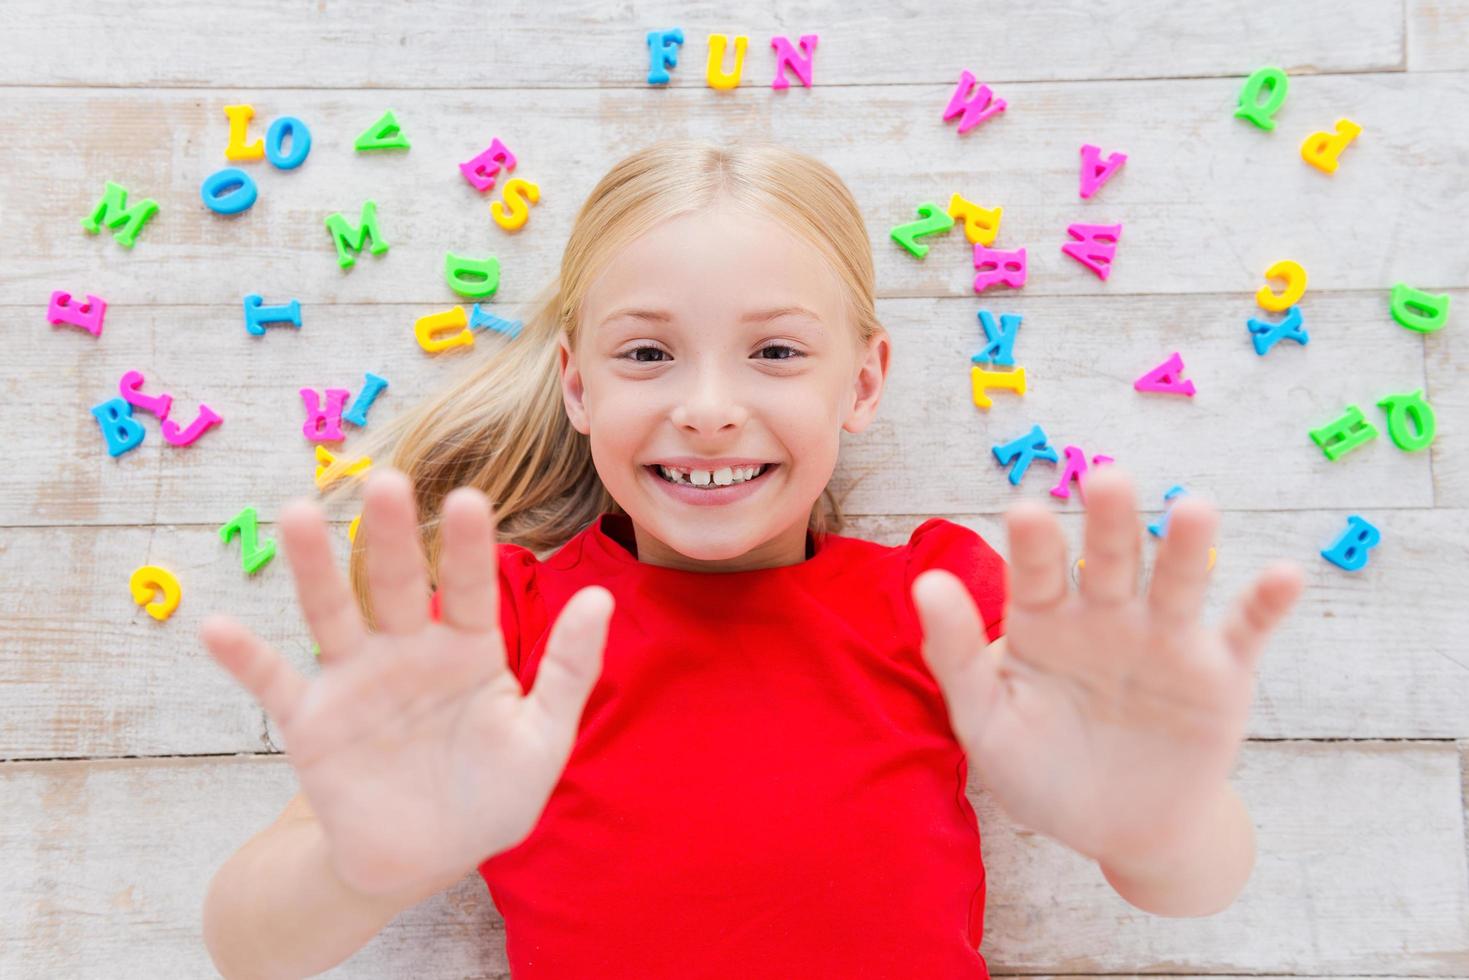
(722, 477)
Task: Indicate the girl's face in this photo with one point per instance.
(718, 336)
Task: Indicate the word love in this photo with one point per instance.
(663, 49)
(123, 432)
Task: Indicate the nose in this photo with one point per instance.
(709, 403)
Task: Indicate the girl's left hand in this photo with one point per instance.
(1106, 720)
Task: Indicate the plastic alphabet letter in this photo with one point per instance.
(786, 57)
(1344, 434)
(239, 117)
(1094, 247)
(981, 225)
(995, 266)
(1160, 527)
(86, 315)
(427, 328)
(346, 238)
(119, 428)
(253, 555)
(287, 127)
(1410, 420)
(1274, 83)
(257, 316)
(1001, 339)
(483, 170)
(372, 386)
(930, 221)
(981, 381)
(472, 277)
(385, 134)
(714, 71)
(1094, 173)
(1033, 445)
(1075, 468)
(516, 190)
(662, 54)
(228, 191)
(976, 108)
(1320, 150)
(1295, 287)
(325, 460)
(113, 212)
(1166, 378)
(177, 437)
(156, 590)
(480, 319)
(1266, 335)
(1350, 550)
(1412, 308)
(129, 387)
(324, 423)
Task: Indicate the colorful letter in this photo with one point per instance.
(257, 316)
(1295, 287)
(1166, 378)
(1274, 83)
(1094, 173)
(1001, 338)
(514, 217)
(995, 266)
(128, 388)
(385, 134)
(1094, 247)
(1266, 335)
(1344, 434)
(113, 211)
(1410, 420)
(930, 221)
(253, 554)
(345, 237)
(482, 171)
(228, 191)
(1160, 527)
(1032, 445)
(324, 424)
(426, 329)
(472, 277)
(324, 462)
(786, 57)
(372, 386)
(1074, 470)
(662, 54)
(976, 108)
(236, 149)
(714, 69)
(981, 381)
(119, 428)
(176, 437)
(287, 127)
(981, 225)
(156, 590)
(480, 318)
(1413, 308)
(1320, 150)
(86, 315)
(1350, 550)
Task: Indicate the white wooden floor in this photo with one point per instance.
(132, 766)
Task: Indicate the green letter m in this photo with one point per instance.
(349, 239)
(113, 210)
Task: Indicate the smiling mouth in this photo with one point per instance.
(657, 471)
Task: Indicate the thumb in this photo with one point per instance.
(570, 666)
(955, 647)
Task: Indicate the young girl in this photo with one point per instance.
(709, 736)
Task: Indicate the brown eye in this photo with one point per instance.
(785, 347)
(632, 354)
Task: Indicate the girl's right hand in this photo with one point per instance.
(415, 746)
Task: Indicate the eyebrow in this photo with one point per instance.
(754, 316)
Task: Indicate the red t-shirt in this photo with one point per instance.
(764, 781)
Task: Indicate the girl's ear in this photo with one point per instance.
(867, 391)
(572, 391)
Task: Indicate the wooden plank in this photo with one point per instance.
(1243, 437)
(1206, 200)
(1446, 364)
(451, 44)
(1438, 35)
(96, 889)
(90, 674)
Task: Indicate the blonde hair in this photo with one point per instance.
(502, 425)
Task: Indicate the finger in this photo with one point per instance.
(956, 649)
(397, 576)
(570, 667)
(469, 593)
(326, 599)
(1112, 541)
(1259, 609)
(255, 665)
(1037, 563)
(1181, 571)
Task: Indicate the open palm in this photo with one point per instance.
(1104, 718)
(415, 746)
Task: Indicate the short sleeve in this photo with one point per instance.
(940, 543)
(517, 567)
